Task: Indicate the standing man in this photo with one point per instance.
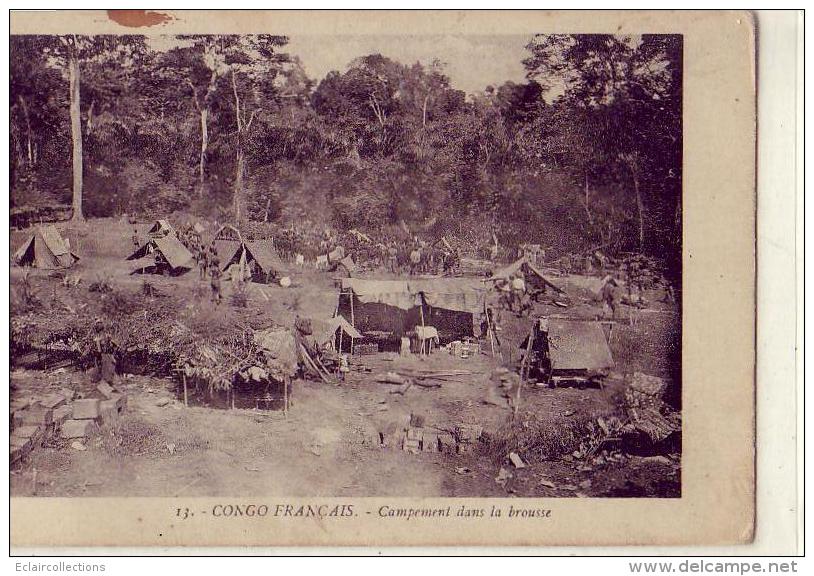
(136, 243)
(611, 297)
(201, 259)
(214, 283)
(392, 258)
(104, 353)
(415, 260)
(519, 292)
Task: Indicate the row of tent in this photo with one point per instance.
(230, 247)
(46, 248)
(453, 306)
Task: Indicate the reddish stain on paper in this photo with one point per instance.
(138, 18)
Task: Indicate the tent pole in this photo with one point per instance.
(285, 396)
(489, 328)
(352, 320)
(421, 311)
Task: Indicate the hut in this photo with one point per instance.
(240, 367)
(257, 259)
(45, 248)
(228, 232)
(337, 333)
(264, 261)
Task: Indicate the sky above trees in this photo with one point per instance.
(472, 62)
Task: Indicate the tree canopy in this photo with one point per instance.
(586, 153)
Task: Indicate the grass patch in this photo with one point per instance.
(133, 437)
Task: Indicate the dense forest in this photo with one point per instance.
(585, 153)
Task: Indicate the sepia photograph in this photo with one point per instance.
(422, 265)
(358, 268)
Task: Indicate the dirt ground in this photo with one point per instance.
(328, 443)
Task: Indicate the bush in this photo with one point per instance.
(240, 295)
(24, 297)
(117, 303)
(101, 285)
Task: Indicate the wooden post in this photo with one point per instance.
(489, 329)
(285, 396)
(421, 311)
(184, 379)
(523, 369)
(352, 319)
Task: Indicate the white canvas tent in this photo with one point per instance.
(160, 229)
(332, 329)
(177, 259)
(45, 248)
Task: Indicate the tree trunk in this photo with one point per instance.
(89, 123)
(29, 145)
(204, 145)
(238, 192)
(238, 186)
(242, 128)
(587, 201)
(76, 138)
(639, 208)
(268, 206)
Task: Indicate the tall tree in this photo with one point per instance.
(70, 53)
(254, 65)
(198, 63)
(623, 88)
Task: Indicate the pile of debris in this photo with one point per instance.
(403, 378)
(419, 437)
(652, 422)
(61, 415)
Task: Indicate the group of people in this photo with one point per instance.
(206, 258)
(396, 254)
(423, 258)
(514, 294)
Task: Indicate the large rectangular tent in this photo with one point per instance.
(452, 305)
